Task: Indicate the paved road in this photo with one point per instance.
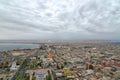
(17, 72)
(27, 60)
(22, 67)
(51, 75)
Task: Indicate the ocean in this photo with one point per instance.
(11, 46)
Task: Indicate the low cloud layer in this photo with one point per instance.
(63, 19)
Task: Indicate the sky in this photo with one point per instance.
(60, 19)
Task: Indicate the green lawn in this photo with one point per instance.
(19, 77)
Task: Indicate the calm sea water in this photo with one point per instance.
(10, 46)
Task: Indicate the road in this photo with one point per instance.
(22, 67)
(51, 73)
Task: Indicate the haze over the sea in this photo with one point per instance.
(11, 46)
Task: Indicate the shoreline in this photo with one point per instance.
(14, 46)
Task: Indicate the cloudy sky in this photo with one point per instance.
(60, 19)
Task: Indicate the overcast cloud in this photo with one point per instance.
(63, 19)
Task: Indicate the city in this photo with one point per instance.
(59, 39)
(62, 61)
